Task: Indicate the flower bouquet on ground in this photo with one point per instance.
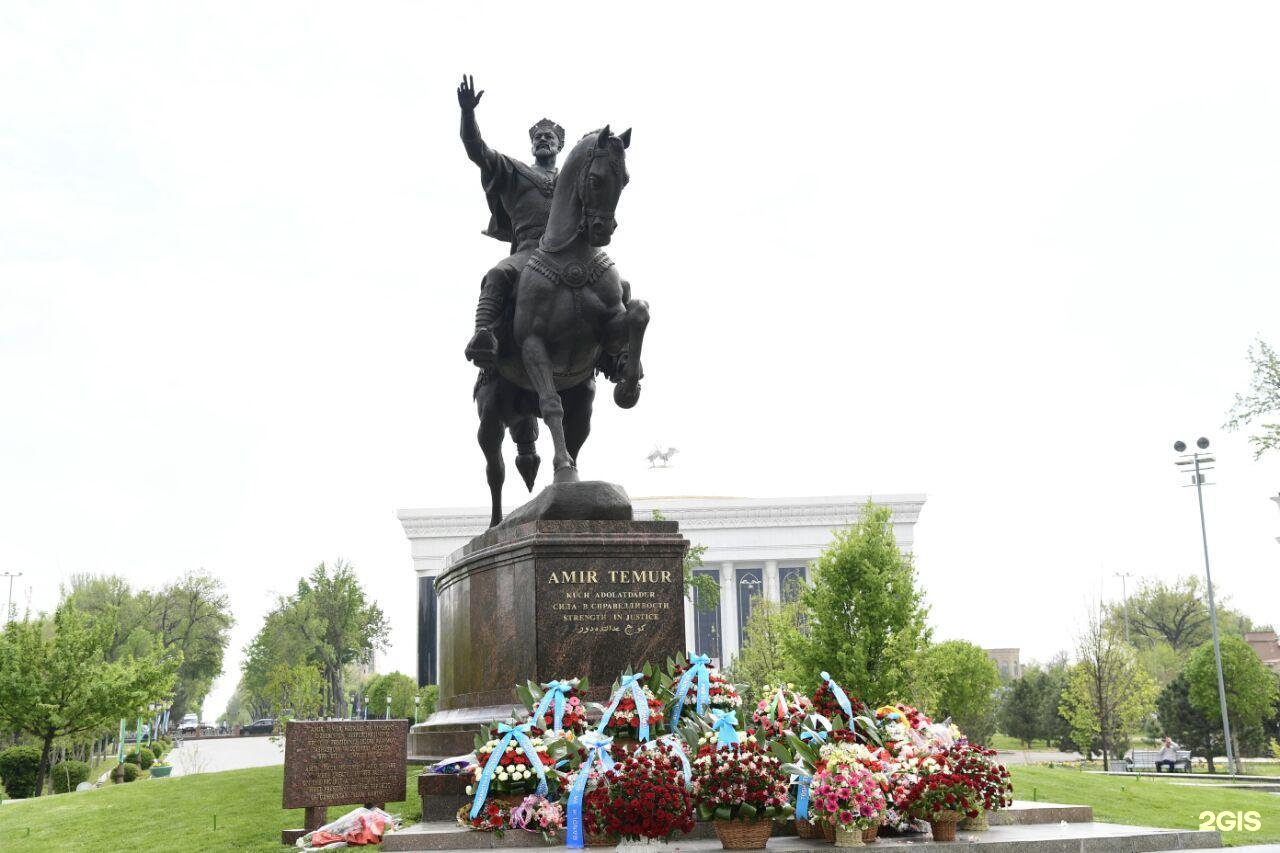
(697, 687)
(781, 710)
(634, 713)
(943, 799)
(538, 814)
(850, 799)
(743, 789)
(989, 777)
(556, 705)
(643, 798)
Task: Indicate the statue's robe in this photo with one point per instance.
(519, 198)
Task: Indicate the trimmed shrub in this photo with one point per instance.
(18, 768)
(132, 757)
(66, 775)
(157, 748)
(125, 773)
(146, 758)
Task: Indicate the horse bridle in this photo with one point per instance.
(605, 214)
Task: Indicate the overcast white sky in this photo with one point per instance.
(1002, 254)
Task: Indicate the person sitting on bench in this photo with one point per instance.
(1168, 755)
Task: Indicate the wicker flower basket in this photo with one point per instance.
(808, 829)
(744, 834)
(943, 825)
(976, 824)
(870, 833)
(848, 836)
(828, 831)
(507, 801)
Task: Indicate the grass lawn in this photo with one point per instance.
(1000, 741)
(175, 814)
(1145, 801)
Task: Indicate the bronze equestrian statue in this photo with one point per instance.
(569, 315)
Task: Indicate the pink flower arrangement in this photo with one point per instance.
(850, 798)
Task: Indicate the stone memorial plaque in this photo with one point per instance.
(600, 615)
(344, 762)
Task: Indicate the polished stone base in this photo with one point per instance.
(549, 599)
(1034, 828)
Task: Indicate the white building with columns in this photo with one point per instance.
(755, 547)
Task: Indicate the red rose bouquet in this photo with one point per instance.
(722, 694)
(826, 703)
(780, 711)
(624, 722)
(642, 796)
(943, 797)
(545, 702)
(514, 772)
(492, 818)
(989, 777)
(740, 782)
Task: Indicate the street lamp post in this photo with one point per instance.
(9, 607)
(416, 701)
(387, 715)
(1124, 593)
(1198, 461)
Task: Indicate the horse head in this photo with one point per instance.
(588, 190)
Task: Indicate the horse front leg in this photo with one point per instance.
(537, 364)
(489, 435)
(632, 324)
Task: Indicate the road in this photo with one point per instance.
(233, 753)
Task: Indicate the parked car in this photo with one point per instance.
(265, 726)
(190, 724)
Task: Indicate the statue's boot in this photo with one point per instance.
(483, 348)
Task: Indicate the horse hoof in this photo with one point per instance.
(567, 474)
(626, 394)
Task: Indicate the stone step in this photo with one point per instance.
(1023, 838)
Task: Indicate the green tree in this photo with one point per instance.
(328, 622)
(1190, 727)
(865, 616)
(1108, 694)
(762, 659)
(1263, 399)
(191, 616)
(55, 680)
(956, 679)
(1021, 713)
(1055, 727)
(294, 692)
(1250, 687)
(400, 687)
(1172, 613)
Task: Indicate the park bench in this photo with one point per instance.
(1145, 759)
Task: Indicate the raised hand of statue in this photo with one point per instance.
(468, 97)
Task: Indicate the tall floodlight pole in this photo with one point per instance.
(8, 608)
(1124, 593)
(1198, 461)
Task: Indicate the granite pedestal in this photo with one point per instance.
(549, 599)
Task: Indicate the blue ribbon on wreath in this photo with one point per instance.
(842, 698)
(598, 746)
(803, 781)
(520, 735)
(697, 669)
(630, 683)
(725, 724)
(555, 699)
